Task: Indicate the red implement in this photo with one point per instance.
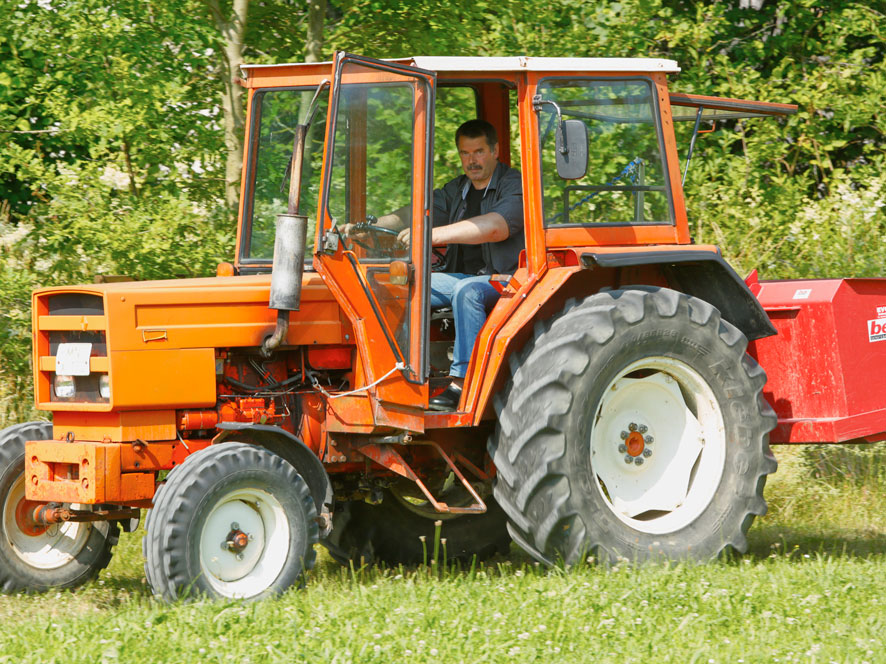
(826, 381)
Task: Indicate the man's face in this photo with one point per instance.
(477, 159)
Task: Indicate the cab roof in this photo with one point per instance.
(517, 63)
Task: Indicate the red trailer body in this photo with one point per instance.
(824, 366)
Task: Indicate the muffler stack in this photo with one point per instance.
(289, 251)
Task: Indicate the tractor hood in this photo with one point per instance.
(163, 336)
(193, 313)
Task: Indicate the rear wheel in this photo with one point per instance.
(635, 428)
(235, 521)
(34, 557)
(391, 531)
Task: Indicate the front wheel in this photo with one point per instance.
(233, 521)
(634, 428)
(35, 558)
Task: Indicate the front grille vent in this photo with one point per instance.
(75, 304)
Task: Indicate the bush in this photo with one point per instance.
(84, 232)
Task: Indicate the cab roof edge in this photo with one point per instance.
(515, 63)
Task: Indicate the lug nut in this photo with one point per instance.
(643, 428)
(647, 453)
(622, 448)
(632, 426)
(639, 461)
(624, 435)
(235, 525)
(629, 459)
(240, 556)
(649, 440)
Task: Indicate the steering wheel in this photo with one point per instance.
(370, 228)
(438, 263)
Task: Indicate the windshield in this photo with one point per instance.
(277, 114)
(625, 180)
(372, 165)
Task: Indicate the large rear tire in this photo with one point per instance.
(35, 558)
(633, 428)
(232, 521)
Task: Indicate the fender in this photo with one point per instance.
(702, 274)
(697, 272)
(281, 442)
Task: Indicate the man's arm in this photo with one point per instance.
(490, 227)
(397, 219)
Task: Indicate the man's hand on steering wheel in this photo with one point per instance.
(360, 231)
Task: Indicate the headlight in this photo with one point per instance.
(64, 386)
(104, 386)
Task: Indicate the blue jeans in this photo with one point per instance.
(471, 298)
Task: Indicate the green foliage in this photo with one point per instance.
(394, 29)
(113, 151)
(17, 279)
(112, 158)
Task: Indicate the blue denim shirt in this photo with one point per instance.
(504, 195)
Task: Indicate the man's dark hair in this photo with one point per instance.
(476, 129)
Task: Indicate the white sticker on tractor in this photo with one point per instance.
(881, 312)
(877, 330)
(72, 359)
(802, 293)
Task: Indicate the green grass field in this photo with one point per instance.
(812, 589)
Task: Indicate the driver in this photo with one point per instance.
(479, 217)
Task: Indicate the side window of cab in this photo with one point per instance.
(625, 182)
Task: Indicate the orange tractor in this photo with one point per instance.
(610, 404)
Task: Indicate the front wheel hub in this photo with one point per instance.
(24, 518)
(236, 541)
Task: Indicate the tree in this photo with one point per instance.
(232, 27)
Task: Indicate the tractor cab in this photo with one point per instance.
(593, 139)
(598, 168)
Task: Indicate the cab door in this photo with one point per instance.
(377, 163)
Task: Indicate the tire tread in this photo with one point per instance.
(528, 487)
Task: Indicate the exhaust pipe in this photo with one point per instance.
(289, 251)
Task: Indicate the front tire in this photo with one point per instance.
(233, 521)
(634, 428)
(35, 558)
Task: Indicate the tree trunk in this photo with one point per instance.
(232, 30)
(314, 37)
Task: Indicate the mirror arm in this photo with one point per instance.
(537, 103)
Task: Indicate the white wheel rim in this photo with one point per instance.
(670, 402)
(261, 517)
(54, 547)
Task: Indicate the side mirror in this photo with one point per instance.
(572, 150)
